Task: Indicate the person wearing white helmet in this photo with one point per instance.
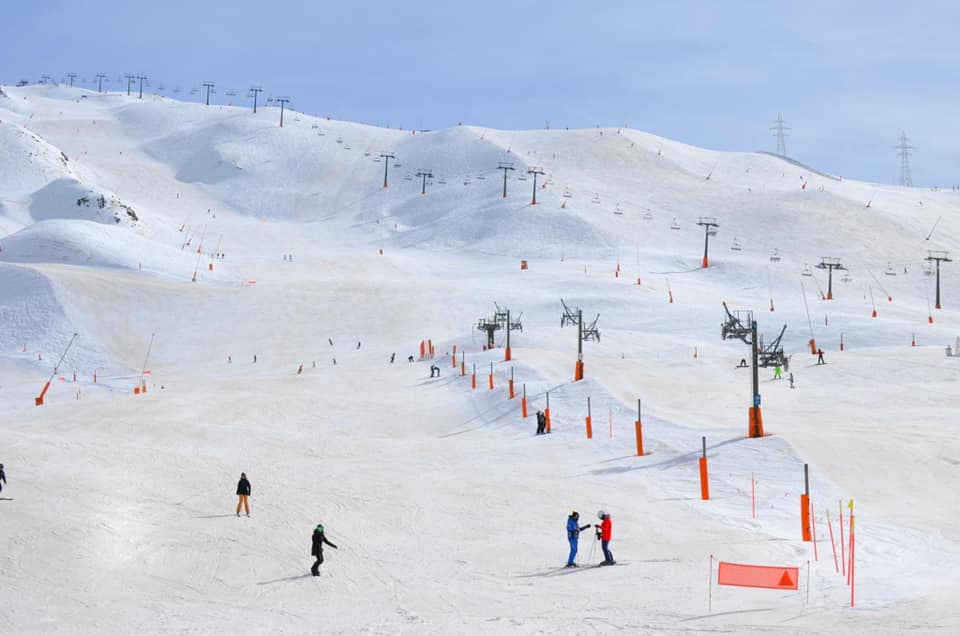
(605, 530)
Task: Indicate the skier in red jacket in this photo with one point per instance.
(605, 530)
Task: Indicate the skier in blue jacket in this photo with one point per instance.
(573, 536)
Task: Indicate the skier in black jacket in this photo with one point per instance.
(243, 492)
(318, 540)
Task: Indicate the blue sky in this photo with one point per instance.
(847, 76)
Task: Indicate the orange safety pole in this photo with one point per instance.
(546, 412)
(39, 400)
(423, 349)
(805, 506)
(463, 367)
(639, 431)
(490, 377)
(510, 385)
(704, 484)
(589, 421)
(473, 379)
(454, 359)
(523, 402)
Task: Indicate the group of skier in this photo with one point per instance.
(243, 493)
(604, 533)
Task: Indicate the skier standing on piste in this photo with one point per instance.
(605, 530)
(318, 540)
(573, 536)
(243, 492)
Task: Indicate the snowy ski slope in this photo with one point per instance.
(448, 511)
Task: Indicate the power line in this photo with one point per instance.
(903, 151)
(779, 129)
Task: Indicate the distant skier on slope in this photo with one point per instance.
(605, 530)
(573, 536)
(317, 550)
(820, 356)
(541, 423)
(243, 492)
(3, 478)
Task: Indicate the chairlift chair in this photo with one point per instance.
(890, 271)
(775, 256)
(736, 245)
(339, 140)
(618, 211)
(806, 270)
(675, 225)
(648, 216)
(567, 195)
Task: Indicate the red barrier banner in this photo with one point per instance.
(765, 576)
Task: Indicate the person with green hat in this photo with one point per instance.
(318, 540)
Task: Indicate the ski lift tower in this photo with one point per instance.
(534, 171)
(938, 256)
(490, 326)
(502, 317)
(829, 263)
(710, 229)
(386, 156)
(505, 167)
(735, 326)
(426, 174)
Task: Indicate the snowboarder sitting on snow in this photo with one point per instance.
(243, 491)
(410, 359)
(317, 550)
(573, 536)
(434, 371)
(605, 530)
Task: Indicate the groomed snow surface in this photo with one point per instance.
(448, 511)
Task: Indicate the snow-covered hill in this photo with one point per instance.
(224, 236)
